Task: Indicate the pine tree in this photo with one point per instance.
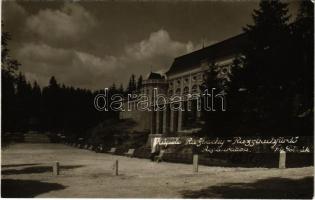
(113, 90)
(121, 89)
(53, 105)
(132, 86)
(139, 83)
(8, 104)
(9, 64)
(266, 55)
(263, 76)
(302, 37)
(9, 67)
(53, 83)
(36, 100)
(133, 83)
(302, 30)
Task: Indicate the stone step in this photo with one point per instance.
(36, 138)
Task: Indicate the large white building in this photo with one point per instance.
(185, 76)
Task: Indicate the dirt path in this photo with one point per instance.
(26, 172)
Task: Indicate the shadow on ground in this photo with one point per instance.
(37, 169)
(271, 188)
(19, 165)
(13, 188)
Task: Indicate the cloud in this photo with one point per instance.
(13, 16)
(159, 43)
(71, 22)
(82, 69)
(12, 11)
(71, 67)
(156, 52)
(60, 42)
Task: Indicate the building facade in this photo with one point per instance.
(185, 76)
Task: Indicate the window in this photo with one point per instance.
(186, 91)
(170, 92)
(178, 91)
(194, 89)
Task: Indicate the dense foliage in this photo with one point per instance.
(271, 87)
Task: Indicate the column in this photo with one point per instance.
(165, 120)
(180, 119)
(181, 85)
(189, 106)
(198, 114)
(161, 120)
(157, 122)
(153, 121)
(171, 121)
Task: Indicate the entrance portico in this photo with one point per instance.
(170, 121)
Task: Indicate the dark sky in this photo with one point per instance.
(93, 44)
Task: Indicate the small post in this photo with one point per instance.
(56, 168)
(116, 168)
(195, 162)
(282, 158)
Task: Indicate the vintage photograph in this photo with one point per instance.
(176, 99)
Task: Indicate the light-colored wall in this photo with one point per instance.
(195, 76)
(188, 78)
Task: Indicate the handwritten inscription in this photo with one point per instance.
(238, 144)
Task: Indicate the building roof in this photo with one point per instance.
(153, 75)
(218, 50)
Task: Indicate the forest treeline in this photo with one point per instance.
(54, 108)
